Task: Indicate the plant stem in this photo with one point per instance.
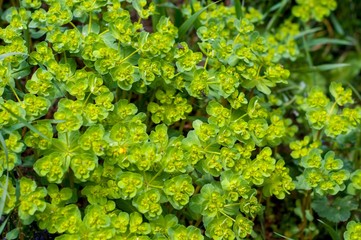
(155, 176)
(306, 205)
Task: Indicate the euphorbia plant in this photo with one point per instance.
(117, 122)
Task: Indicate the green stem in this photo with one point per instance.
(86, 100)
(148, 121)
(235, 39)
(354, 90)
(198, 188)
(215, 153)
(103, 32)
(155, 176)
(73, 25)
(90, 23)
(16, 96)
(199, 220)
(181, 126)
(226, 215)
(332, 108)
(231, 204)
(65, 58)
(357, 154)
(205, 63)
(306, 205)
(214, 82)
(129, 56)
(154, 186)
(71, 178)
(276, 15)
(318, 136)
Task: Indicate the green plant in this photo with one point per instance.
(151, 120)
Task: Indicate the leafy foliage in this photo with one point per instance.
(117, 121)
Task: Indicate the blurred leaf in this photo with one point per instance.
(309, 216)
(4, 224)
(94, 28)
(337, 25)
(5, 188)
(277, 14)
(307, 32)
(323, 67)
(280, 235)
(337, 211)
(159, 12)
(238, 7)
(5, 55)
(13, 234)
(28, 125)
(323, 41)
(346, 75)
(167, 5)
(333, 233)
(183, 29)
(22, 71)
(331, 66)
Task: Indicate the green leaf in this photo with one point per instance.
(336, 24)
(160, 11)
(183, 29)
(94, 27)
(337, 211)
(238, 7)
(28, 125)
(331, 66)
(196, 205)
(166, 5)
(13, 234)
(323, 67)
(276, 15)
(307, 32)
(3, 196)
(3, 224)
(5, 192)
(280, 235)
(333, 233)
(323, 41)
(5, 55)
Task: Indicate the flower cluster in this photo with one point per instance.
(353, 231)
(324, 175)
(311, 9)
(115, 123)
(334, 117)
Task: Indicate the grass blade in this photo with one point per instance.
(337, 25)
(323, 67)
(323, 41)
(307, 32)
(5, 55)
(167, 5)
(13, 128)
(160, 11)
(5, 188)
(183, 29)
(333, 233)
(238, 7)
(3, 225)
(331, 66)
(3, 145)
(23, 121)
(282, 236)
(276, 15)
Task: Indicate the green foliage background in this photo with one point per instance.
(157, 119)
